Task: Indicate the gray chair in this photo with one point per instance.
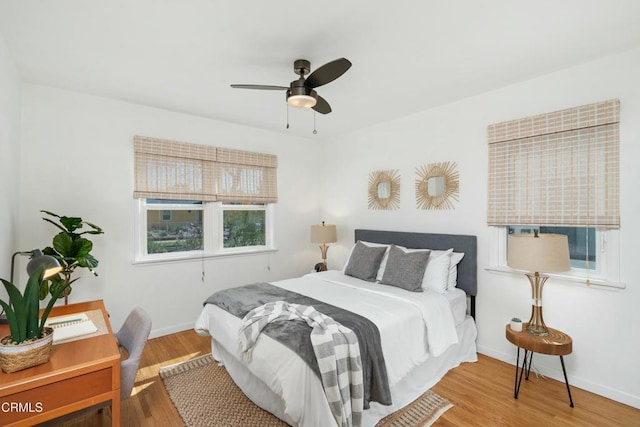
(133, 335)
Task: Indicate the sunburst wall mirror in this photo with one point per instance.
(437, 185)
(384, 190)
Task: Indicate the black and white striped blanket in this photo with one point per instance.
(336, 349)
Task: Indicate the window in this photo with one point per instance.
(559, 173)
(593, 260)
(195, 201)
(582, 243)
(178, 229)
(244, 225)
(201, 229)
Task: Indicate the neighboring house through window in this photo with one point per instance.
(166, 215)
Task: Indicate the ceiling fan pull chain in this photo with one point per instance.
(315, 132)
(287, 116)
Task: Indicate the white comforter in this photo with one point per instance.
(412, 327)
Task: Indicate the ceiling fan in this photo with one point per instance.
(300, 93)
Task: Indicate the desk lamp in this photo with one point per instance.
(51, 267)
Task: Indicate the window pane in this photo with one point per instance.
(244, 228)
(182, 232)
(582, 243)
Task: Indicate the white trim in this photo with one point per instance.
(199, 255)
(155, 333)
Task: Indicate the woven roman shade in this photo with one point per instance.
(556, 169)
(175, 170)
(243, 176)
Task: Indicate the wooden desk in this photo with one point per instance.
(79, 374)
(557, 343)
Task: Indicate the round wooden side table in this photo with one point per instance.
(557, 343)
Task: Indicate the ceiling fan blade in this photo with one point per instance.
(327, 73)
(322, 106)
(261, 87)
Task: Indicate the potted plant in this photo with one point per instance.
(516, 324)
(72, 250)
(29, 342)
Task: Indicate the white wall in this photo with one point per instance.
(9, 159)
(605, 346)
(77, 160)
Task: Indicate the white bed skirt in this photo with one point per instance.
(317, 412)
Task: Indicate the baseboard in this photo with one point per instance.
(574, 381)
(155, 333)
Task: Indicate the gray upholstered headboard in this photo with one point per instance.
(468, 267)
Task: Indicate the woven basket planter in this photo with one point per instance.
(27, 354)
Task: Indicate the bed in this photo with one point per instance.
(417, 353)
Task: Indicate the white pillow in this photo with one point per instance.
(436, 276)
(383, 264)
(454, 260)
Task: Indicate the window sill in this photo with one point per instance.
(199, 256)
(590, 282)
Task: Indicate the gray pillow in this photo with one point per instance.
(405, 270)
(364, 262)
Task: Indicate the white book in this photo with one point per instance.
(70, 326)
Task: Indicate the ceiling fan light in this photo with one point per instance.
(301, 101)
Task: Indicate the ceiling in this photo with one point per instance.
(182, 55)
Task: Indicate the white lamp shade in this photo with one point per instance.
(547, 253)
(324, 233)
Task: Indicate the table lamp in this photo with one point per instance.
(323, 234)
(538, 253)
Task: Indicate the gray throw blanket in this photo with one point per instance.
(296, 334)
(336, 349)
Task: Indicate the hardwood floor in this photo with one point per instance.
(482, 394)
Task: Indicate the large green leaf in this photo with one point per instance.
(51, 213)
(53, 283)
(63, 244)
(81, 247)
(88, 261)
(71, 223)
(96, 229)
(19, 331)
(32, 302)
(11, 320)
(45, 314)
(56, 224)
(44, 288)
(50, 251)
(69, 248)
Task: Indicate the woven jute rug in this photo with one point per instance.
(205, 395)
